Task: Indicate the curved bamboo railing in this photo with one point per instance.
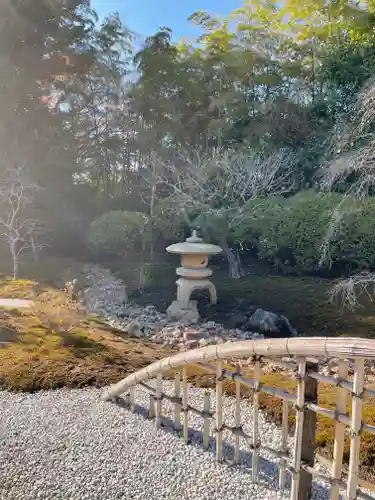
(304, 355)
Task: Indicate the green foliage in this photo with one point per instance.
(214, 225)
(291, 233)
(258, 215)
(168, 223)
(295, 235)
(259, 80)
(118, 232)
(358, 248)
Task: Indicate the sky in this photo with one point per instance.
(144, 17)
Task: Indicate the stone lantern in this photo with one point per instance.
(194, 275)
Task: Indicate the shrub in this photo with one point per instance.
(117, 232)
(294, 236)
(258, 215)
(290, 232)
(359, 248)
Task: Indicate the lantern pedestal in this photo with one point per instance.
(186, 287)
(193, 276)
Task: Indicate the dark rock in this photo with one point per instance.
(270, 324)
(237, 320)
(285, 328)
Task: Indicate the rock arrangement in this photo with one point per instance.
(106, 297)
(105, 294)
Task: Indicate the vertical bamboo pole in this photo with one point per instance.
(132, 398)
(151, 406)
(158, 396)
(237, 420)
(177, 406)
(206, 423)
(219, 411)
(357, 407)
(127, 399)
(307, 451)
(255, 457)
(185, 406)
(338, 451)
(284, 443)
(300, 401)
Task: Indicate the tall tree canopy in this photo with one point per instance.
(88, 118)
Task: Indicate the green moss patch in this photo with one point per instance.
(55, 344)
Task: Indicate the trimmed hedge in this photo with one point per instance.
(287, 232)
(290, 232)
(116, 232)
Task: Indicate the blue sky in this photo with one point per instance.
(146, 16)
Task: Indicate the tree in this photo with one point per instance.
(213, 193)
(36, 38)
(97, 109)
(17, 229)
(41, 43)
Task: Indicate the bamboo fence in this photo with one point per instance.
(300, 463)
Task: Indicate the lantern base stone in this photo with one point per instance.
(185, 314)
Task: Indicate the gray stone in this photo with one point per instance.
(134, 328)
(204, 342)
(147, 322)
(270, 324)
(237, 320)
(187, 316)
(209, 325)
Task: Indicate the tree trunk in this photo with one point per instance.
(142, 276)
(152, 210)
(234, 261)
(13, 251)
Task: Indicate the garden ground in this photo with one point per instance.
(55, 344)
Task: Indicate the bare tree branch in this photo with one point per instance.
(227, 180)
(16, 229)
(349, 291)
(221, 186)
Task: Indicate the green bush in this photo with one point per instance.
(117, 232)
(258, 215)
(359, 248)
(168, 222)
(290, 232)
(294, 236)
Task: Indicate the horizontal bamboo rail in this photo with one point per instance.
(300, 463)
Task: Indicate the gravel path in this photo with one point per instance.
(67, 445)
(16, 303)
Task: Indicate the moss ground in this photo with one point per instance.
(304, 300)
(56, 345)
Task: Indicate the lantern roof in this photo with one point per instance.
(194, 245)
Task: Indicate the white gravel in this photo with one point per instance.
(66, 444)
